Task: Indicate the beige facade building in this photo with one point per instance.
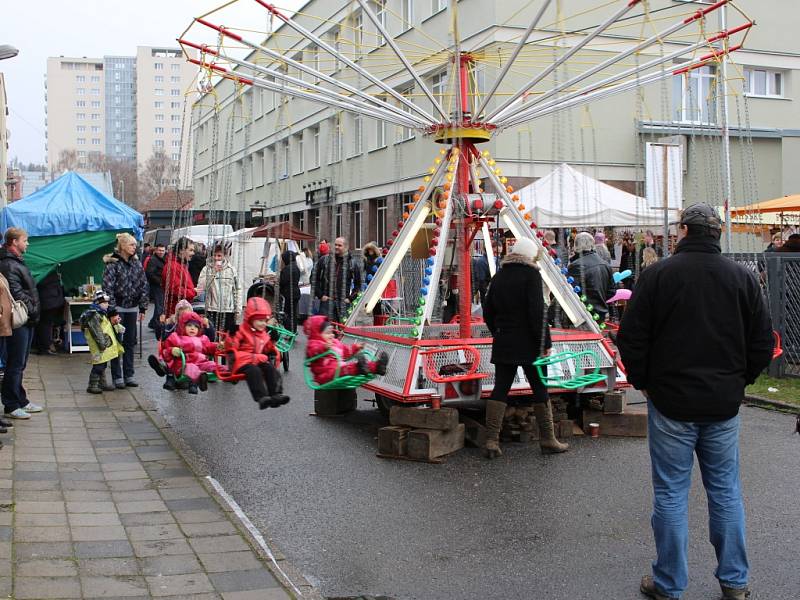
(75, 113)
(122, 106)
(3, 142)
(333, 173)
(162, 79)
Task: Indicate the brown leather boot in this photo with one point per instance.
(547, 437)
(494, 421)
(734, 593)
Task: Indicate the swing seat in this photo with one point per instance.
(573, 383)
(286, 338)
(339, 382)
(444, 373)
(181, 378)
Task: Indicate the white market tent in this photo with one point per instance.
(568, 198)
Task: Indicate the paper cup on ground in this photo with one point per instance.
(594, 430)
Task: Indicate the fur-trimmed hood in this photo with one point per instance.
(114, 257)
(519, 259)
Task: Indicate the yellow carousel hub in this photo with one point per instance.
(448, 135)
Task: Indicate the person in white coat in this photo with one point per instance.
(219, 282)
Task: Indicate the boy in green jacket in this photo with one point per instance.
(102, 329)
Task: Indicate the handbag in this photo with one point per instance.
(19, 312)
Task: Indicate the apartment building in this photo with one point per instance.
(126, 107)
(335, 173)
(3, 142)
(163, 77)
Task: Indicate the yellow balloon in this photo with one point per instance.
(426, 179)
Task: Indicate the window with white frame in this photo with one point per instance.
(96, 103)
(176, 156)
(175, 79)
(158, 104)
(95, 141)
(174, 92)
(81, 141)
(380, 133)
(174, 105)
(357, 224)
(337, 221)
(406, 133)
(437, 5)
(358, 33)
(300, 152)
(158, 66)
(313, 59)
(176, 130)
(694, 96)
(95, 129)
(439, 87)
(158, 79)
(406, 14)
(159, 131)
(81, 128)
(80, 116)
(284, 159)
(95, 79)
(159, 117)
(316, 223)
(336, 139)
(379, 6)
(175, 67)
(381, 212)
(95, 117)
(175, 118)
(176, 143)
(358, 135)
(763, 82)
(80, 103)
(80, 91)
(158, 92)
(158, 143)
(315, 147)
(80, 78)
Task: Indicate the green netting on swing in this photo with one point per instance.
(286, 338)
(343, 382)
(572, 383)
(184, 379)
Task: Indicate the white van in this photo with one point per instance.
(202, 234)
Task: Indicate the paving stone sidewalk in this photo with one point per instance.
(95, 502)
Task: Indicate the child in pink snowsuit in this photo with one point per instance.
(188, 339)
(321, 337)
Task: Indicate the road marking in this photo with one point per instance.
(251, 528)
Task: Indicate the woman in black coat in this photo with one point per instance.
(290, 288)
(516, 316)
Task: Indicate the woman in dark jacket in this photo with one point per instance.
(290, 288)
(125, 282)
(515, 314)
(51, 300)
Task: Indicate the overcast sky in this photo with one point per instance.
(42, 28)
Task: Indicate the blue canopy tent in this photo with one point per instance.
(71, 225)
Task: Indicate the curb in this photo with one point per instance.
(772, 404)
(289, 576)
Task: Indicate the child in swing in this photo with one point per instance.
(321, 338)
(254, 352)
(187, 344)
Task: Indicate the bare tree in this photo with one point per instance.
(124, 177)
(155, 175)
(68, 161)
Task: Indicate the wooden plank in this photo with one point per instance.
(632, 423)
(428, 444)
(443, 419)
(474, 432)
(393, 440)
(614, 403)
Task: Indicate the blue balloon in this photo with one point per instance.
(557, 261)
(570, 280)
(564, 271)
(426, 280)
(363, 286)
(577, 289)
(379, 260)
(622, 275)
(424, 291)
(428, 272)
(369, 277)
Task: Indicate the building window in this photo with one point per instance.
(80, 116)
(763, 82)
(158, 143)
(437, 5)
(117, 75)
(80, 91)
(175, 79)
(439, 87)
(159, 79)
(269, 164)
(95, 92)
(174, 105)
(174, 92)
(358, 33)
(81, 141)
(95, 79)
(315, 146)
(159, 117)
(176, 143)
(158, 104)
(158, 92)
(300, 153)
(358, 135)
(159, 130)
(95, 129)
(336, 139)
(175, 67)
(694, 96)
(381, 212)
(337, 221)
(407, 14)
(95, 117)
(81, 128)
(158, 66)
(176, 131)
(96, 103)
(379, 6)
(317, 232)
(80, 103)
(380, 134)
(358, 225)
(406, 133)
(176, 156)
(335, 35)
(175, 118)
(95, 141)
(80, 78)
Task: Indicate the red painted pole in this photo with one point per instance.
(463, 178)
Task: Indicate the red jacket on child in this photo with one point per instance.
(196, 349)
(250, 346)
(324, 369)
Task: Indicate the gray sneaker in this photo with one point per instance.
(18, 413)
(32, 408)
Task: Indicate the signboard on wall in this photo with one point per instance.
(320, 196)
(664, 176)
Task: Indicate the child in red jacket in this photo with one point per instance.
(321, 337)
(189, 341)
(251, 348)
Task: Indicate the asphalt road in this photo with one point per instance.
(573, 526)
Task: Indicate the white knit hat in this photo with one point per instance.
(525, 247)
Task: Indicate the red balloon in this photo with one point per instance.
(400, 224)
(477, 205)
(498, 204)
(395, 233)
(390, 242)
(439, 222)
(432, 251)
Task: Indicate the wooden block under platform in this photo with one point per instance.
(631, 423)
(474, 431)
(442, 419)
(565, 428)
(614, 403)
(332, 403)
(429, 444)
(393, 440)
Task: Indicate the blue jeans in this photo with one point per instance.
(672, 448)
(18, 348)
(130, 320)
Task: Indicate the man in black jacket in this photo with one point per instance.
(153, 267)
(23, 288)
(592, 274)
(337, 281)
(694, 334)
